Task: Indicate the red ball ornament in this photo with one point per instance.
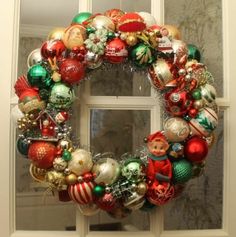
(192, 112)
(52, 48)
(116, 51)
(42, 154)
(196, 149)
(72, 71)
(107, 202)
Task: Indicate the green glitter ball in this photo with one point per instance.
(193, 53)
(81, 17)
(182, 171)
(99, 191)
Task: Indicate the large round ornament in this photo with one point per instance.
(106, 202)
(114, 15)
(42, 154)
(22, 146)
(208, 93)
(72, 71)
(160, 74)
(204, 123)
(116, 51)
(34, 57)
(173, 31)
(176, 129)
(81, 162)
(149, 20)
(141, 55)
(193, 53)
(81, 193)
(74, 36)
(106, 171)
(52, 48)
(81, 18)
(182, 171)
(89, 209)
(131, 22)
(61, 96)
(196, 149)
(56, 34)
(103, 22)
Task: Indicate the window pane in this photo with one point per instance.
(200, 22)
(119, 131)
(200, 205)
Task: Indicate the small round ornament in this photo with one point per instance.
(141, 188)
(22, 146)
(74, 36)
(59, 164)
(61, 96)
(42, 154)
(103, 22)
(176, 129)
(198, 104)
(182, 171)
(208, 93)
(89, 209)
(81, 193)
(81, 162)
(107, 202)
(34, 57)
(99, 190)
(173, 31)
(149, 20)
(116, 51)
(141, 55)
(193, 52)
(52, 48)
(196, 149)
(56, 34)
(81, 18)
(131, 22)
(204, 123)
(196, 94)
(72, 71)
(71, 179)
(114, 15)
(106, 171)
(131, 39)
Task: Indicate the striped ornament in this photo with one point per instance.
(81, 192)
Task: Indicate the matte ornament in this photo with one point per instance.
(34, 57)
(42, 154)
(52, 48)
(81, 18)
(103, 22)
(23, 146)
(196, 149)
(182, 171)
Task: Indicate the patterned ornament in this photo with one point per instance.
(193, 53)
(59, 164)
(182, 171)
(196, 149)
(42, 154)
(52, 48)
(103, 22)
(37, 174)
(204, 123)
(176, 129)
(114, 15)
(61, 117)
(81, 193)
(56, 179)
(149, 20)
(22, 146)
(56, 34)
(81, 18)
(81, 162)
(61, 96)
(34, 57)
(134, 201)
(106, 202)
(141, 55)
(208, 93)
(106, 171)
(72, 71)
(116, 51)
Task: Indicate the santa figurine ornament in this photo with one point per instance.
(159, 170)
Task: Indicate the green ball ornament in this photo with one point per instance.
(90, 30)
(23, 146)
(81, 17)
(66, 156)
(193, 53)
(196, 94)
(99, 191)
(39, 77)
(111, 35)
(141, 55)
(182, 171)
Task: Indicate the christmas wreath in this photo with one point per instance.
(173, 156)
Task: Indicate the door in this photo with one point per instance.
(207, 208)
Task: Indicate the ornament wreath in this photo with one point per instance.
(172, 156)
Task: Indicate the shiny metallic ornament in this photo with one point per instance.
(198, 104)
(56, 34)
(134, 202)
(37, 173)
(106, 171)
(59, 164)
(89, 209)
(81, 162)
(34, 57)
(208, 93)
(71, 179)
(141, 188)
(56, 179)
(176, 129)
(103, 22)
(93, 60)
(65, 144)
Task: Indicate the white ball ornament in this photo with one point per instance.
(148, 19)
(208, 93)
(81, 162)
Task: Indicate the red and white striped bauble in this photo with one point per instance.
(81, 193)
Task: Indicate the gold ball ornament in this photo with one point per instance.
(71, 179)
(173, 31)
(56, 34)
(131, 39)
(103, 22)
(141, 188)
(37, 173)
(198, 104)
(56, 179)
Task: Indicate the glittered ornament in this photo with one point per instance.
(196, 149)
(204, 123)
(103, 22)
(193, 52)
(22, 146)
(134, 202)
(81, 193)
(141, 55)
(116, 51)
(149, 20)
(208, 93)
(173, 31)
(56, 34)
(176, 129)
(182, 171)
(56, 179)
(72, 71)
(81, 162)
(42, 154)
(52, 48)
(61, 96)
(74, 36)
(107, 202)
(89, 209)
(106, 171)
(34, 57)
(99, 190)
(81, 18)
(114, 15)
(59, 164)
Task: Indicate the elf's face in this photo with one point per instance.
(158, 147)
